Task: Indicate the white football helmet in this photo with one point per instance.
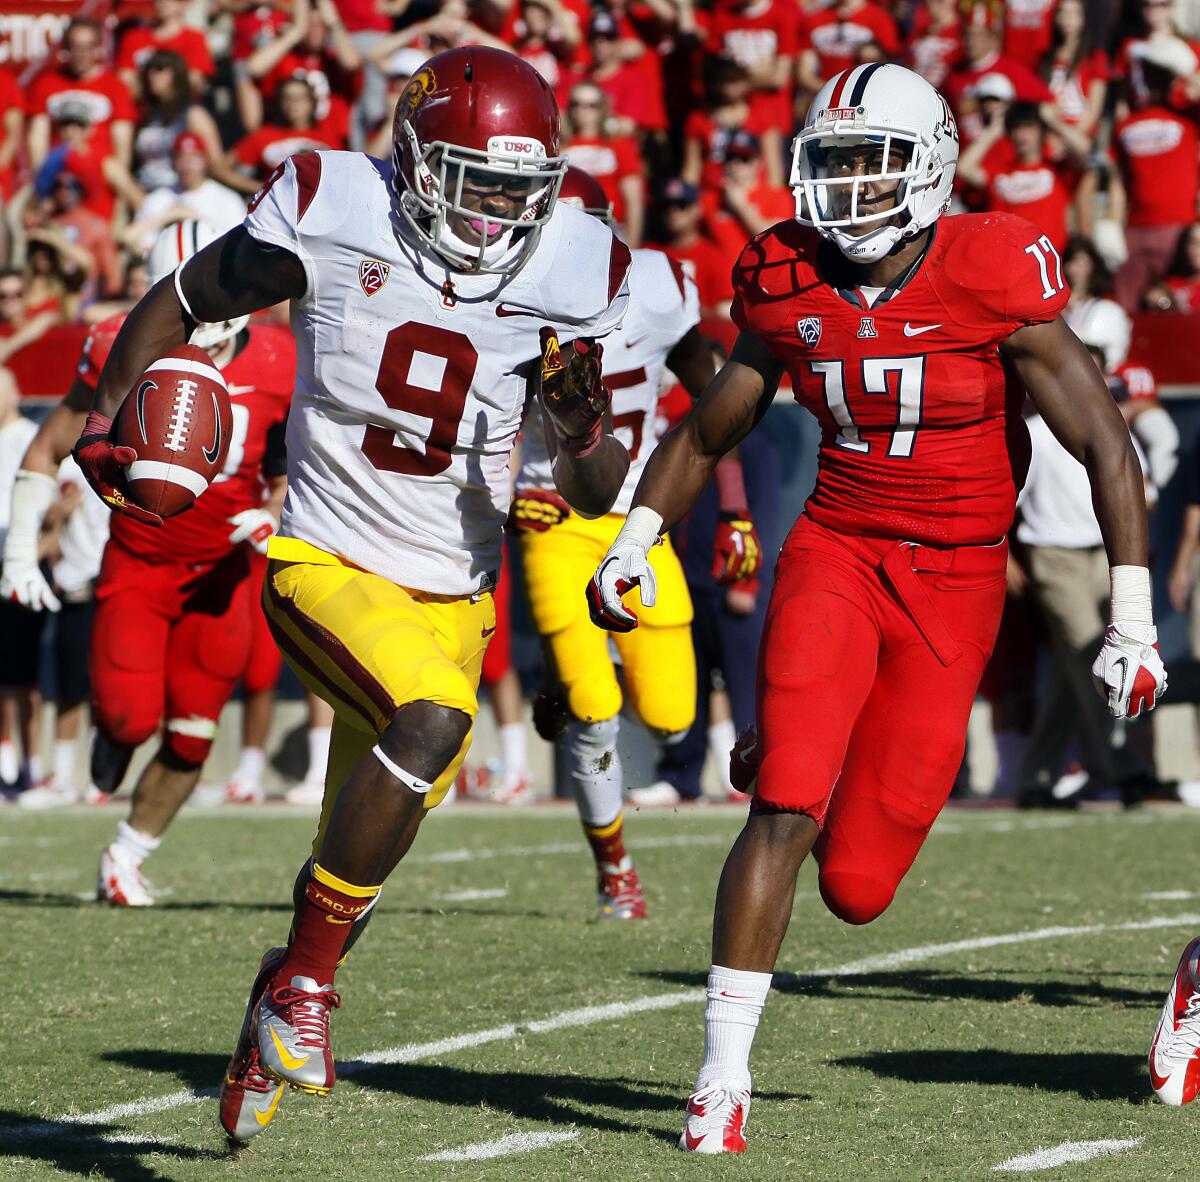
(1104, 325)
(174, 246)
(877, 104)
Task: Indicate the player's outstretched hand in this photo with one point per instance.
(737, 552)
(625, 566)
(103, 465)
(1129, 673)
(573, 393)
(254, 526)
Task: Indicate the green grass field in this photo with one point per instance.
(919, 1049)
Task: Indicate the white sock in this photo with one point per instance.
(64, 762)
(10, 767)
(515, 746)
(735, 1004)
(594, 769)
(133, 846)
(721, 738)
(318, 754)
(250, 765)
(34, 768)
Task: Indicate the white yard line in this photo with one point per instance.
(591, 1015)
(513, 1143)
(472, 896)
(1158, 896)
(1061, 1155)
(483, 853)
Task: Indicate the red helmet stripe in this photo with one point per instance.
(835, 99)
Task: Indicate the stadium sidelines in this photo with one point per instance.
(591, 1015)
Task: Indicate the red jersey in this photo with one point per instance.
(753, 33)
(933, 53)
(837, 40)
(105, 96)
(260, 380)
(1040, 192)
(1186, 292)
(191, 45)
(706, 265)
(267, 148)
(609, 161)
(714, 139)
(1071, 87)
(1138, 381)
(1157, 152)
(1028, 29)
(921, 434)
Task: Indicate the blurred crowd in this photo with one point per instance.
(1082, 117)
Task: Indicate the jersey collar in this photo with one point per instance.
(835, 271)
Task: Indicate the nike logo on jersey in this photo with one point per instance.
(910, 331)
(502, 310)
(488, 631)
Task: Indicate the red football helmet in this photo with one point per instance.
(477, 118)
(583, 191)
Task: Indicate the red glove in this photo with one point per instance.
(737, 552)
(535, 510)
(573, 394)
(743, 762)
(103, 466)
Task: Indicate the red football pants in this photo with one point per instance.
(169, 641)
(870, 659)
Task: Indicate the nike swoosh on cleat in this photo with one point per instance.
(909, 331)
(264, 1118)
(736, 996)
(692, 1142)
(288, 1060)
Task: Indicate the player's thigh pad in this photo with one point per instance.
(660, 675)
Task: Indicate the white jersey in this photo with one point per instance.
(83, 538)
(663, 306)
(411, 378)
(14, 439)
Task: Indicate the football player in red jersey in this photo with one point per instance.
(899, 332)
(173, 615)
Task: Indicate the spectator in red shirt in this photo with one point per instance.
(1156, 150)
(167, 32)
(682, 217)
(1076, 75)
(1008, 161)
(21, 324)
(935, 43)
(726, 111)
(831, 38)
(12, 143)
(82, 79)
(1180, 291)
(613, 159)
(633, 87)
(1028, 30)
(548, 37)
(167, 111)
(316, 46)
(1158, 21)
(255, 157)
(744, 203)
(368, 22)
(761, 36)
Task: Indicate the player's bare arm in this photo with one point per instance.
(1071, 396)
(676, 474)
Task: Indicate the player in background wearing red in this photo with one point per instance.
(173, 615)
(896, 329)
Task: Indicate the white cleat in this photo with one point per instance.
(120, 882)
(659, 795)
(308, 793)
(716, 1120)
(239, 791)
(1175, 1049)
(48, 793)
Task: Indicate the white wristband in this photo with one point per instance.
(642, 526)
(32, 495)
(1130, 601)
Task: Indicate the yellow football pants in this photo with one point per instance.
(368, 647)
(657, 656)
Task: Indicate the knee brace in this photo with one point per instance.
(855, 898)
(189, 740)
(595, 770)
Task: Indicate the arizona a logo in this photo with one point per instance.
(866, 328)
(810, 330)
(372, 275)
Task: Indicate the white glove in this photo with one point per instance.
(625, 566)
(22, 580)
(1129, 673)
(254, 526)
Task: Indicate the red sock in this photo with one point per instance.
(608, 843)
(322, 925)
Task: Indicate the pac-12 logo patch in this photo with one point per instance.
(372, 275)
(810, 330)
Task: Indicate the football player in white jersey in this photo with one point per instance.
(430, 294)
(558, 547)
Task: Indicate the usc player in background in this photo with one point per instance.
(174, 600)
(560, 549)
(899, 330)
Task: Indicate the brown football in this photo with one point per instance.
(177, 418)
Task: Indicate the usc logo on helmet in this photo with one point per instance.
(420, 85)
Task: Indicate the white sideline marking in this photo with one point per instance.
(590, 1015)
(513, 1143)
(466, 854)
(1061, 1155)
(1173, 895)
(471, 896)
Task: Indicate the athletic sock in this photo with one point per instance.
(64, 762)
(608, 845)
(735, 1004)
(515, 748)
(318, 754)
(132, 845)
(324, 916)
(250, 765)
(33, 768)
(721, 738)
(10, 767)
